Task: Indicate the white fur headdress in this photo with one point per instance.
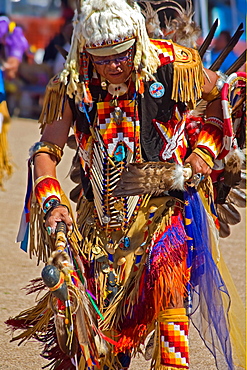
(101, 23)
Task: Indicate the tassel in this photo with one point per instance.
(86, 93)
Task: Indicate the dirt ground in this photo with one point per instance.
(17, 269)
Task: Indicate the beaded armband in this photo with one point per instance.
(47, 191)
(216, 90)
(211, 136)
(45, 147)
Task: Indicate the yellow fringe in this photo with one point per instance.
(188, 79)
(53, 102)
(6, 168)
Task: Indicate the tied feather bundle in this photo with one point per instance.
(151, 178)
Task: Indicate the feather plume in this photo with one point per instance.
(149, 178)
(237, 197)
(149, 349)
(233, 164)
(228, 214)
(152, 21)
(200, 109)
(182, 30)
(59, 260)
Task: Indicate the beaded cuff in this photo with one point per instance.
(47, 191)
(211, 136)
(45, 147)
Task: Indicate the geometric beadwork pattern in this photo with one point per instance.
(165, 51)
(112, 132)
(174, 344)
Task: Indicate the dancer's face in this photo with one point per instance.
(114, 68)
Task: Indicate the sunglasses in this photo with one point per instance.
(117, 60)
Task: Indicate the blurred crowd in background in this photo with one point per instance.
(48, 23)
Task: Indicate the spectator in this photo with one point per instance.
(52, 57)
(12, 47)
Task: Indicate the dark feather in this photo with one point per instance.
(75, 168)
(204, 46)
(234, 40)
(228, 214)
(237, 64)
(242, 183)
(224, 230)
(237, 197)
(62, 51)
(74, 194)
(75, 175)
(62, 337)
(71, 142)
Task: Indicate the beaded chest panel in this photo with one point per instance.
(116, 143)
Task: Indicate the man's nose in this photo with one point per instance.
(114, 63)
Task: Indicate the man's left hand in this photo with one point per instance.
(198, 165)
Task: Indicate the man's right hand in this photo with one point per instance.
(60, 213)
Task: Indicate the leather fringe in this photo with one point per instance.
(32, 321)
(53, 102)
(41, 244)
(188, 76)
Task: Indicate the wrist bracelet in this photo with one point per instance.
(52, 207)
